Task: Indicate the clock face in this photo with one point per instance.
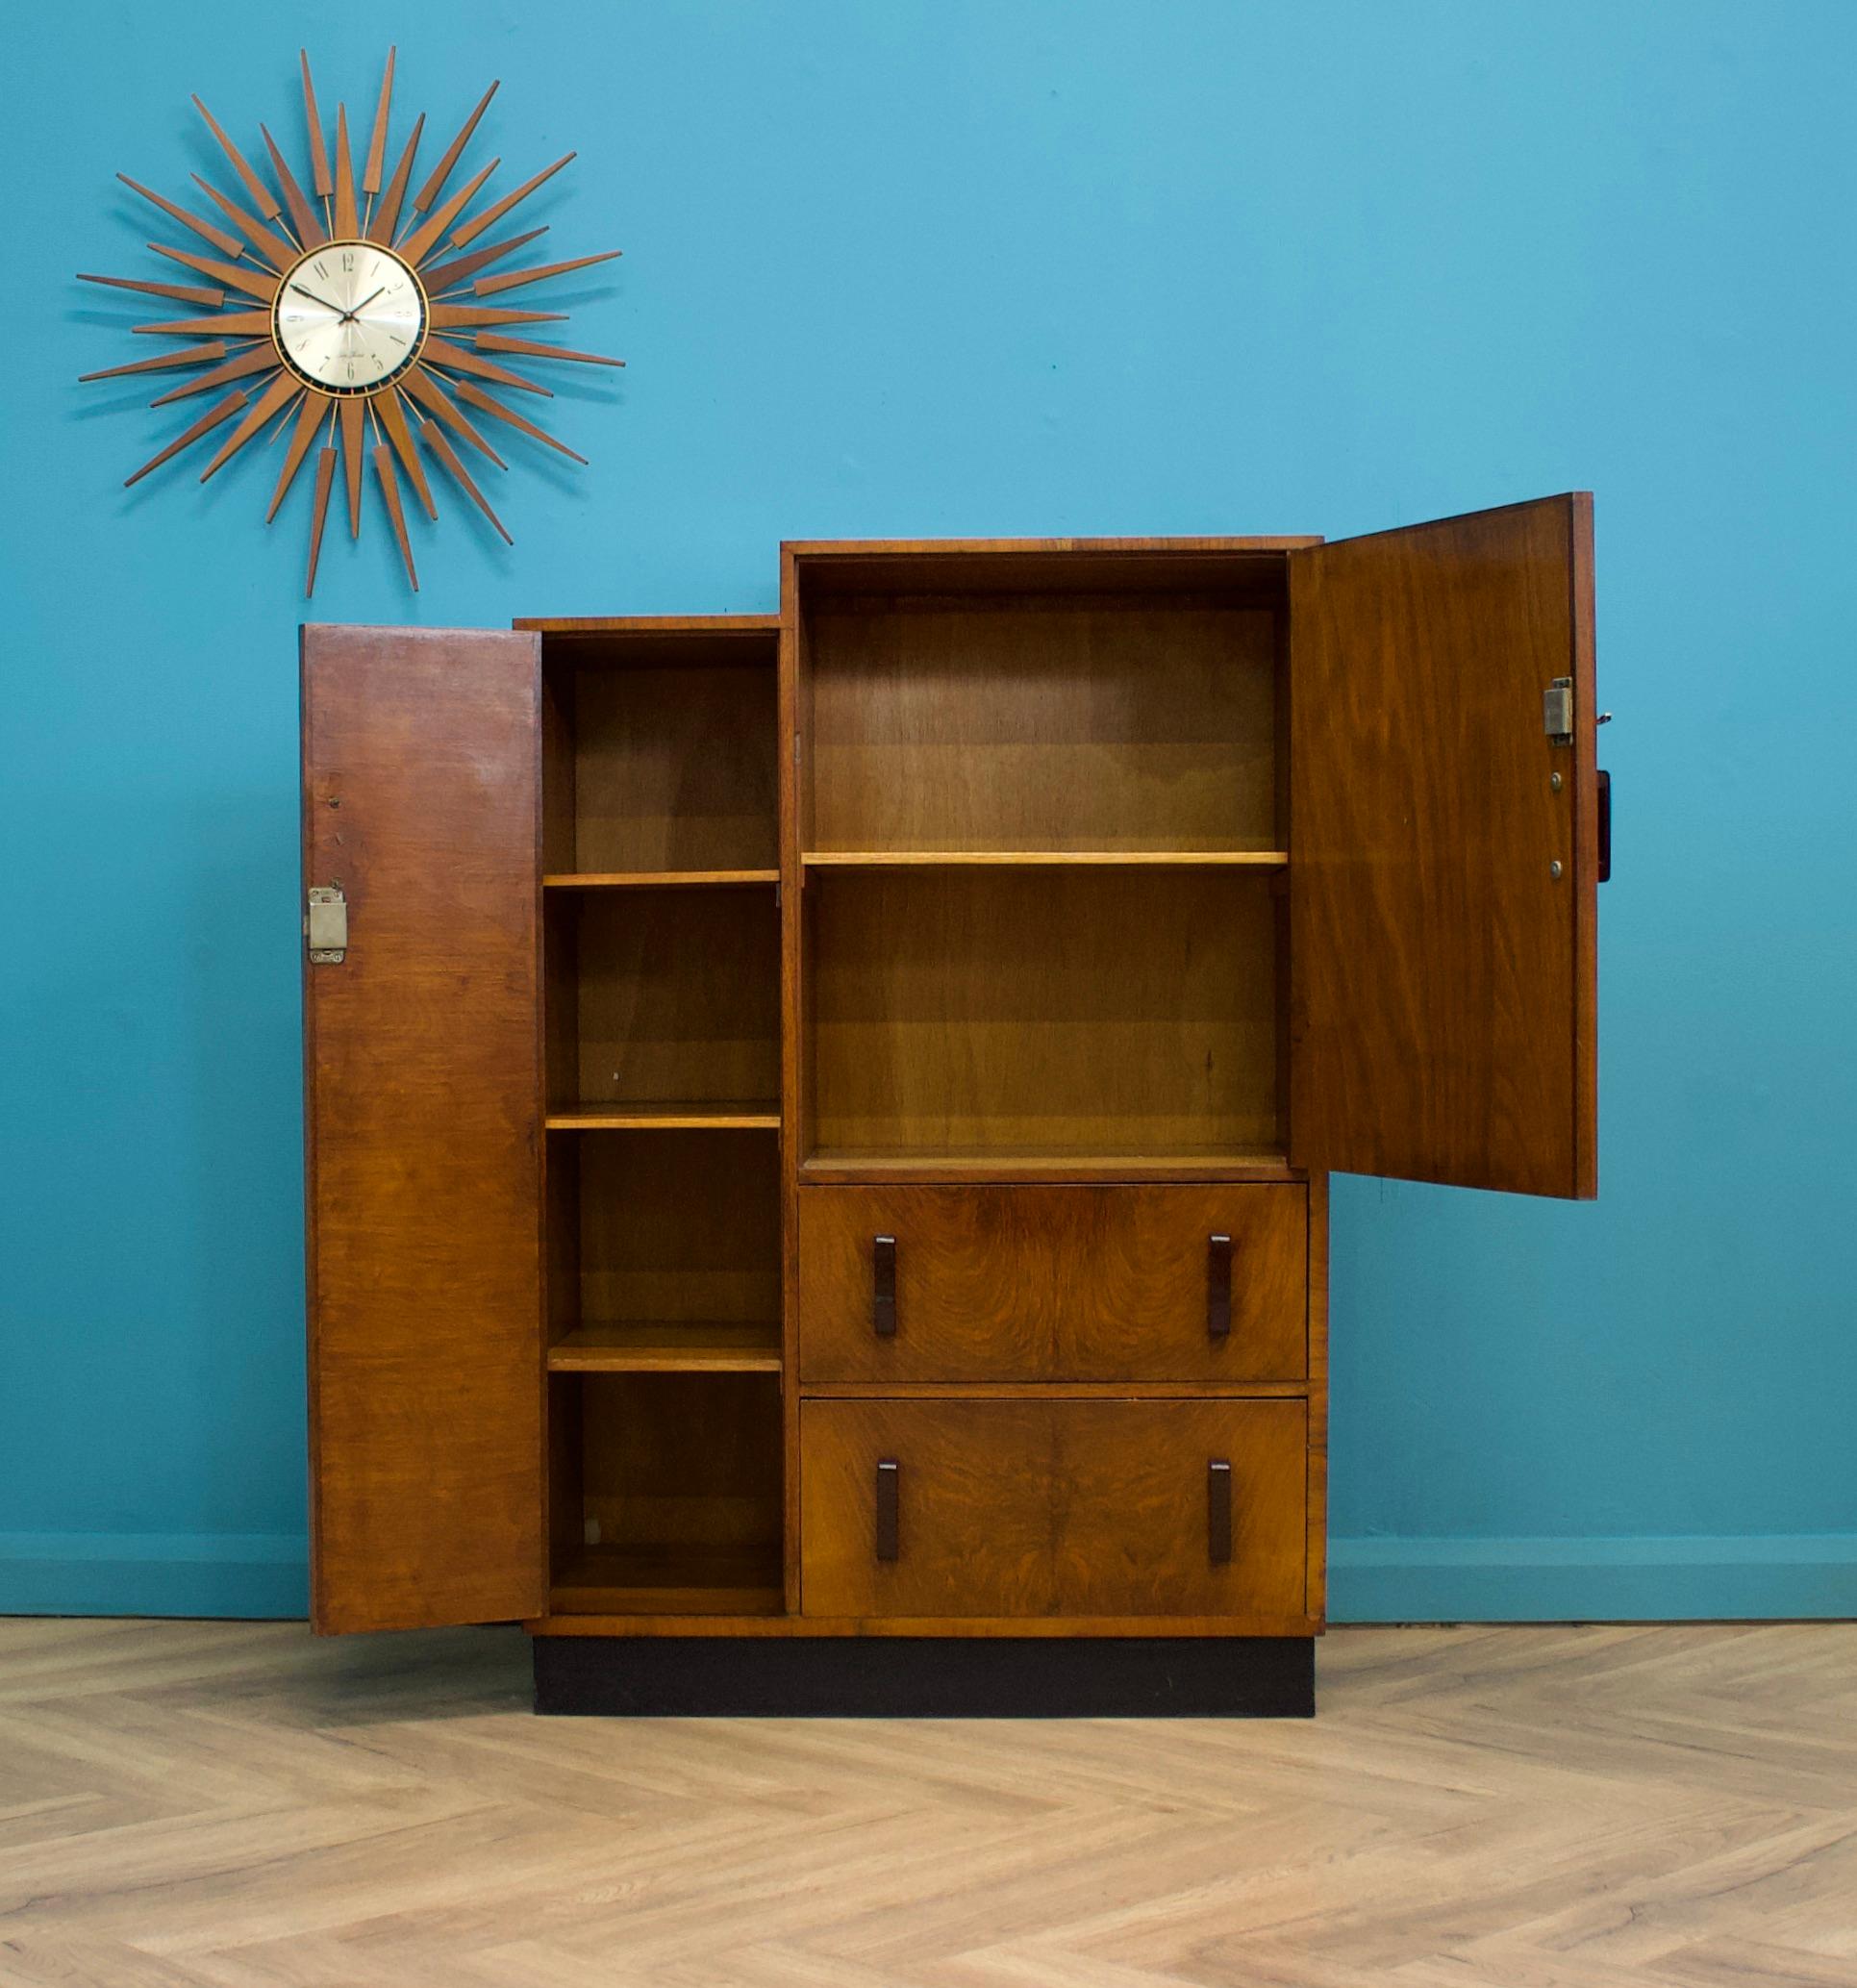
(350, 317)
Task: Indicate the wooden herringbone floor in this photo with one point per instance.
(243, 1806)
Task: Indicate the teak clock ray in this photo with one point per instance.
(352, 312)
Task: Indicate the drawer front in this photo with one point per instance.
(952, 1507)
(987, 1283)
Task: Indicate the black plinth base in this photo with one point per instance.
(928, 1676)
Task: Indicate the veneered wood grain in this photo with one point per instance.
(347, 216)
(1442, 976)
(425, 237)
(421, 1064)
(282, 389)
(441, 276)
(1317, 1603)
(453, 152)
(353, 419)
(1111, 722)
(261, 196)
(177, 292)
(219, 411)
(386, 215)
(1040, 1508)
(677, 1494)
(1101, 1010)
(248, 277)
(390, 483)
(163, 362)
(310, 417)
(270, 245)
(438, 443)
(675, 995)
(256, 358)
(668, 1226)
(324, 180)
(309, 225)
(475, 397)
(515, 279)
(425, 390)
(462, 238)
(227, 244)
(391, 410)
(376, 165)
(1083, 1283)
(460, 359)
(674, 764)
(319, 514)
(531, 348)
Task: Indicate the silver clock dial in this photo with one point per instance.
(349, 317)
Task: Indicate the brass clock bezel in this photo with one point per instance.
(406, 365)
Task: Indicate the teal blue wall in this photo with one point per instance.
(971, 268)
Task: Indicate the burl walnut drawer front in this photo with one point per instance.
(951, 1507)
(984, 1283)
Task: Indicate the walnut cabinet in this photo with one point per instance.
(818, 1124)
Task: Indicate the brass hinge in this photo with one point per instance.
(325, 925)
(1557, 711)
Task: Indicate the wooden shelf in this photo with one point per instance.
(670, 1114)
(668, 1345)
(853, 1164)
(1023, 859)
(658, 879)
(669, 1581)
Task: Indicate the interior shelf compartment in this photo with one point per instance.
(659, 750)
(664, 1008)
(665, 1493)
(1002, 1018)
(664, 1251)
(976, 710)
(1033, 858)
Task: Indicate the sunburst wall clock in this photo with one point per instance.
(358, 315)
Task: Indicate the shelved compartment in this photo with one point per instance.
(659, 756)
(1091, 706)
(1004, 1018)
(663, 1252)
(664, 1006)
(665, 1492)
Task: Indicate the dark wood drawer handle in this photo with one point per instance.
(888, 1473)
(1218, 1287)
(883, 1286)
(1219, 1513)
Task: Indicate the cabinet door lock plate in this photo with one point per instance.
(325, 925)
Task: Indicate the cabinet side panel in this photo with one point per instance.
(422, 1119)
(1317, 1602)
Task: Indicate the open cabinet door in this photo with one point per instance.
(421, 1071)
(1443, 849)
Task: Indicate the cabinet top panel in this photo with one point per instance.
(649, 625)
(824, 568)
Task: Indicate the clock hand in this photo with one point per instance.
(314, 299)
(350, 317)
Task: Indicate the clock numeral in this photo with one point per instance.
(321, 268)
(348, 258)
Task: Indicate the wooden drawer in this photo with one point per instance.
(1054, 1283)
(1052, 1508)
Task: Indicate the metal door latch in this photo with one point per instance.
(1557, 711)
(325, 925)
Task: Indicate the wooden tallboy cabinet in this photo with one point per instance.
(818, 1124)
